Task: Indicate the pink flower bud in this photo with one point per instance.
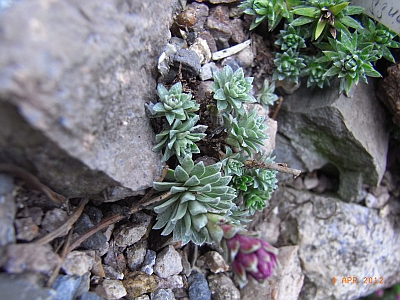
(251, 257)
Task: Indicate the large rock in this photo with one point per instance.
(340, 240)
(74, 77)
(321, 127)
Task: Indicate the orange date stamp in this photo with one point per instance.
(356, 280)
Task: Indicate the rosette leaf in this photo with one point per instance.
(231, 89)
(195, 191)
(180, 138)
(350, 62)
(173, 105)
(380, 36)
(290, 38)
(316, 73)
(289, 65)
(232, 163)
(245, 132)
(266, 96)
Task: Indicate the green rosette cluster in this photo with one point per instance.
(196, 191)
(231, 89)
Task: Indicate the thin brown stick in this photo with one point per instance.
(277, 108)
(63, 254)
(32, 180)
(66, 226)
(280, 167)
(145, 201)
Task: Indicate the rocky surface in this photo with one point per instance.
(82, 130)
(73, 82)
(322, 125)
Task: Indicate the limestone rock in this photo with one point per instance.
(324, 127)
(168, 262)
(111, 289)
(19, 258)
(74, 77)
(222, 287)
(349, 243)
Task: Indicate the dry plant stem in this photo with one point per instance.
(32, 180)
(62, 257)
(277, 108)
(67, 225)
(254, 164)
(145, 201)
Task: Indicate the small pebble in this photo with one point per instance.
(149, 262)
(53, 219)
(198, 287)
(111, 289)
(222, 288)
(26, 229)
(213, 261)
(310, 182)
(66, 286)
(140, 284)
(77, 263)
(162, 294)
(168, 262)
(90, 296)
(135, 255)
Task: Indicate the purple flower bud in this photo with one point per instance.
(251, 257)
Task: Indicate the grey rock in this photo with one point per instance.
(112, 273)
(310, 182)
(324, 127)
(206, 71)
(95, 242)
(8, 210)
(162, 294)
(198, 287)
(213, 261)
(135, 255)
(90, 296)
(168, 262)
(17, 287)
(201, 48)
(355, 240)
(53, 219)
(19, 258)
(149, 262)
(94, 214)
(245, 58)
(111, 289)
(77, 263)
(115, 257)
(130, 233)
(69, 113)
(189, 60)
(218, 25)
(66, 286)
(222, 288)
(26, 229)
(142, 297)
(171, 282)
(237, 29)
(201, 12)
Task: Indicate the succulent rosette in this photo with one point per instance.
(231, 89)
(196, 193)
(180, 138)
(174, 104)
(251, 257)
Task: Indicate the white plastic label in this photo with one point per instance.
(385, 11)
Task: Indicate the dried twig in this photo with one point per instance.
(145, 201)
(62, 257)
(280, 167)
(32, 180)
(66, 226)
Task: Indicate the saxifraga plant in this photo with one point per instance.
(271, 10)
(173, 104)
(316, 72)
(290, 38)
(180, 138)
(380, 36)
(245, 132)
(321, 15)
(231, 89)
(288, 66)
(266, 96)
(349, 61)
(196, 192)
